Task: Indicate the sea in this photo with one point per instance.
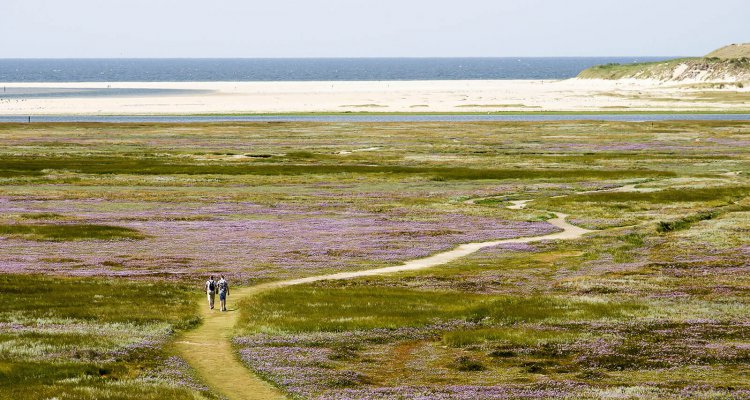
(299, 69)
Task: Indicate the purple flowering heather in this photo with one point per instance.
(249, 240)
(175, 372)
(458, 392)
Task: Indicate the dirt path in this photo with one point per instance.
(568, 232)
(208, 348)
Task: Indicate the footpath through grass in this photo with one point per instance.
(633, 311)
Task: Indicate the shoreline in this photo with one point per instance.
(396, 114)
(369, 118)
(441, 97)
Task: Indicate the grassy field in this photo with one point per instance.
(92, 338)
(107, 232)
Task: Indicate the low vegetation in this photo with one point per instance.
(685, 222)
(707, 69)
(20, 166)
(732, 51)
(68, 232)
(90, 338)
(108, 230)
(309, 309)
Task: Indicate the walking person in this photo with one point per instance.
(223, 292)
(211, 291)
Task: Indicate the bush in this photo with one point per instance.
(468, 364)
(502, 353)
(349, 379)
(685, 222)
(533, 368)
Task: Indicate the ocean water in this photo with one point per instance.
(12, 93)
(298, 69)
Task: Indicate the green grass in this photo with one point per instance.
(153, 166)
(96, 299)
(42, 216)
(675, 208)
(79, 337)
(311, 309)
(514, 336)
(685, 222)
(69, 232)
(33, 381)
(667, 196)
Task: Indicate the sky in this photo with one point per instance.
(368, 28)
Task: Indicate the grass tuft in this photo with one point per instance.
(685, 222)
(69, 232)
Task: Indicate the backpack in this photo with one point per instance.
(222, 285)
(211, 287)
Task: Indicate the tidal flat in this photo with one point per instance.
(113, 228)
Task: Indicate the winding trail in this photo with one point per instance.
(208, 348)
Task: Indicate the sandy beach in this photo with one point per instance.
(154, 98)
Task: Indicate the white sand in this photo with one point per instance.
(391, 96)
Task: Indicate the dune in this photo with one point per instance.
(729, 64)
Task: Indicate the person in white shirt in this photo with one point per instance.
(211, 291)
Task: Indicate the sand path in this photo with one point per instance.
(208, 348)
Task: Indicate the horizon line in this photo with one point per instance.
(337, 57)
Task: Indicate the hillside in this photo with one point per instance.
(731, 51)
(727, 64)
